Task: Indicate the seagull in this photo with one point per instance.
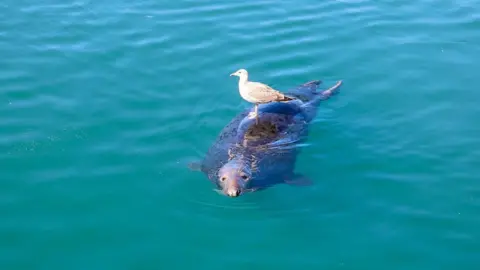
(257, 93)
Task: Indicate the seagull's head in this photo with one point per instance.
(242, 73)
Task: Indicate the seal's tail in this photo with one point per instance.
(308, 87)
(310, 107)
(313, 83)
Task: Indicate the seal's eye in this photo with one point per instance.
(223, 179)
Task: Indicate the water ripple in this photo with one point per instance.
(104, 103)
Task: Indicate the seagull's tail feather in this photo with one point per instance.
(286, 98)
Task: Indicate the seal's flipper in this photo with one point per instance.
(195, 166)
(299, 180)
(331, 91)
(311, 85)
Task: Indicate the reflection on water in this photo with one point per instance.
(104, 103)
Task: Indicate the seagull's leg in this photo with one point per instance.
(254, 113)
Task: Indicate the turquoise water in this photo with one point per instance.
(103, 103)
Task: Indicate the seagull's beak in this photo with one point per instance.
(233, 74)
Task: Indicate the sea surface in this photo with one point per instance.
(104, 103)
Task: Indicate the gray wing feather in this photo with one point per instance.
(263, 92)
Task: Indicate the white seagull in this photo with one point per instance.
(257, 93)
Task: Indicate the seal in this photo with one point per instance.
(251, 155)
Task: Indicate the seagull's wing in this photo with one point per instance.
(263, 92)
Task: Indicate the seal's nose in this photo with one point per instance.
(233, 192)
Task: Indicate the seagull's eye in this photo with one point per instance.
(223, 179)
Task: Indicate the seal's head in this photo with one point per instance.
(233, 178)
(242, 73)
